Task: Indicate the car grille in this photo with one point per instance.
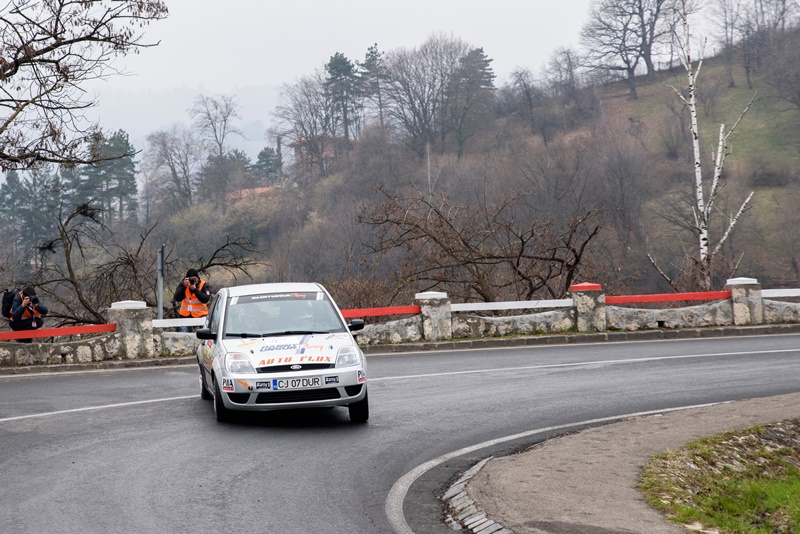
(352, 391)
(288, 368)
(279, 397)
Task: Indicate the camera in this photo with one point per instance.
(193, 281)
(34, 300)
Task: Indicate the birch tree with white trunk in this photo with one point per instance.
(705, 196)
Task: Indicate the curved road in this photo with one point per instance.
(138, 451)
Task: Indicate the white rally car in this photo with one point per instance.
(278, 346)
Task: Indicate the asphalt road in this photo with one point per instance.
(137, 451)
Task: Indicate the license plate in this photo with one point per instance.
(297, 383)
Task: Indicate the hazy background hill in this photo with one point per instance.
(414, 168)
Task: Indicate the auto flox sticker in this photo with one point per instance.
(286, 360)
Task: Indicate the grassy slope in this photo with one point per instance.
(764, 158)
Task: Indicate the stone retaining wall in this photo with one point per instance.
(589, 313)
(135, 336)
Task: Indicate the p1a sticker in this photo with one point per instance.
(227, 384)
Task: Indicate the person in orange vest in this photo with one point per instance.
(27, 312)
(193, 293)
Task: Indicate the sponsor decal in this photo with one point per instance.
(263, 385)
(285, 346)
(281, 340)
(227, 384)
(285, 360)
(331, 379)
(249, 343)
(305, 346)
(282, 296)
(362, 376)
(275, 361)
(316, 359)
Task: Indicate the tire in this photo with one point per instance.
(224, 415)
(205, 394)
(359, 411)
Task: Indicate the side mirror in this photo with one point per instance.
(355, 324)
(205, 333)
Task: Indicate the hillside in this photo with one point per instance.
(764, 158)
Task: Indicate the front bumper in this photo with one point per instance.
(338, 387)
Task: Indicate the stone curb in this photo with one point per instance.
(462, 512)
(482, 343)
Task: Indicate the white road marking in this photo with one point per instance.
(90, 408)
(581, 364)
(397, 495)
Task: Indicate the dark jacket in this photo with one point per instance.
(22, 317)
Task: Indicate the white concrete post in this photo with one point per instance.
(437, 324)
(746, 299)
(134, 322)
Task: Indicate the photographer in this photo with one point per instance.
(27, 312)
(193, 293)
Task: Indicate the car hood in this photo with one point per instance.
(290, 350)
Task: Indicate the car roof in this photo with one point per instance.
(285, 287)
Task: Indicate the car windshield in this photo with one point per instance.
(275, 314)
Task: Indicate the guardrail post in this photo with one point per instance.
(746, 299)
(437, 323)
(135, 326)
(590, 307)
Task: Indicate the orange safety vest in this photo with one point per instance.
(190, 306)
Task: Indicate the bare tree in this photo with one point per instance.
(532, 97)
(173, 157)
(728, 14)
(306, 113)
(214, 119)
(86, 267)
(48, 51)
(653, 18)
(421, 89)
(782, 69)
(704, 207)
(488, 252)
(611, 40)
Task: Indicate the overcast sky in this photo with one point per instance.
(249, 48)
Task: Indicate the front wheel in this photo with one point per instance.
(359, 411)
(205, 394)
(224, 415)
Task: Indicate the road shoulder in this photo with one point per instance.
(586, 482)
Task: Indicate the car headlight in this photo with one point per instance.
(236, 362)
(348, 357)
